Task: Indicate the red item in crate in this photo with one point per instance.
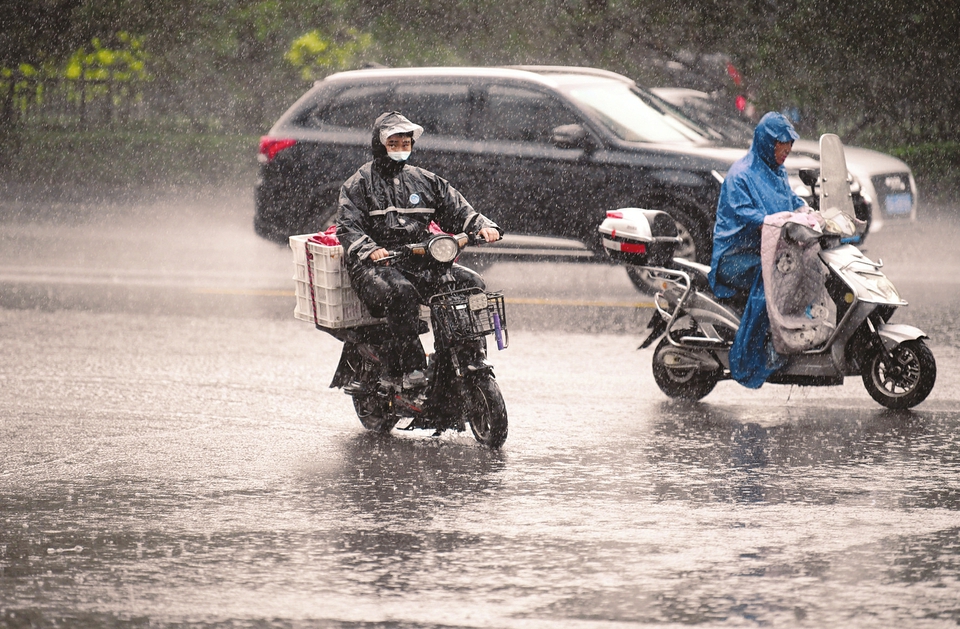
(433, 228)
(328, 238)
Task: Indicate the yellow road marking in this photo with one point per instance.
(510, 300)
(578, 302)
(245, 291)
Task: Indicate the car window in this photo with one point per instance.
(441, 109)
(352, 108)
(631, 118)
(520, 115)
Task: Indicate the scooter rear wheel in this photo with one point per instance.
(373, 413)
(681, 383)
(486, 412)
(906, 382)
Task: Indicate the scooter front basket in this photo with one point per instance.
(469, 314)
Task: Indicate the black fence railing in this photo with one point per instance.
(83, 104)
(61, 102)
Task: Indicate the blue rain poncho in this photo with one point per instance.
(755, 187)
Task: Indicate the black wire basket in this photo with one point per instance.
(470, 314)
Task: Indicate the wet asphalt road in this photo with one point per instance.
(170, 455)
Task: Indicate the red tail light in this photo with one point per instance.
(614, 214)
(629, 247)
(269, 147)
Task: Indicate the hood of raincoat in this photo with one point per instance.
(388, 124)
(772, 128)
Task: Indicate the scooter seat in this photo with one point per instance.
(697, 272)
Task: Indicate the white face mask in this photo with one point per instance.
(399, 156)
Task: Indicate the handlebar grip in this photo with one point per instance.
(385, 260)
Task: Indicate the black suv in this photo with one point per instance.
(543, 151)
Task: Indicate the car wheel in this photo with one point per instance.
(323, 209)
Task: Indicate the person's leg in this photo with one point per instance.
(387, 293)
(738, 271)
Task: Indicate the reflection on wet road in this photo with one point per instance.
(241, 489)
(172, 469)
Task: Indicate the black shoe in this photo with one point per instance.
(414, 380)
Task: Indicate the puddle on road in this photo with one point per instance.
(690, 518)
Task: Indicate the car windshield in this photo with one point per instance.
(628, 116)
(709, 113)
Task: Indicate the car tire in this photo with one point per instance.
(324, 206)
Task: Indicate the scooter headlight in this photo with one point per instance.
(444, 248)
(879, 286)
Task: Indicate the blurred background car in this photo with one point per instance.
(887, 189)
(545, 151)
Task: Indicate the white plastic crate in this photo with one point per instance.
(337, 304)
(329, 269)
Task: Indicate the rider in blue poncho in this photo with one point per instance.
(755, 187)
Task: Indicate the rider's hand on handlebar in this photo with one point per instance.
(378, 254)
(489, 234)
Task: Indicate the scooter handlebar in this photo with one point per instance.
(405, 251)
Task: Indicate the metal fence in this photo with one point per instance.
(83, 104)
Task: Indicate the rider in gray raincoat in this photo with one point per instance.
(388, 203)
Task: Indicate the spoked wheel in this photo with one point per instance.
(486, 412)
(374, 414)
(681, 381)
(905, 381)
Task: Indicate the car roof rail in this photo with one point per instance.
(573, 70)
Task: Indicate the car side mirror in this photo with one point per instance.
(570, 136)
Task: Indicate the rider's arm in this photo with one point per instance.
(352, 219)
(456, 215)
(741, 205)
(489, 234)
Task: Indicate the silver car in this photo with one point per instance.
(886, 182)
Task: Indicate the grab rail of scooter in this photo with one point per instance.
(688, 289)
(877, 265)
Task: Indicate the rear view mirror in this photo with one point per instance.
(809, 176)
(570, 136)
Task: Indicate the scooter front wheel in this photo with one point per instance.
(373, 413)
(486, 412)
(904, 381)
(682, 381)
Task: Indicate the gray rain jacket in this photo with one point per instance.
(388, 204)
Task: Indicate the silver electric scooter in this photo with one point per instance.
(894, 362)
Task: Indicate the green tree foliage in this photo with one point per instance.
(33, 31)
(865, 66)
(317, 55)
(877, 70)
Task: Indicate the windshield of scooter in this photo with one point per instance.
(836, 201)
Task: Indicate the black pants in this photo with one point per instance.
(396, 293)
